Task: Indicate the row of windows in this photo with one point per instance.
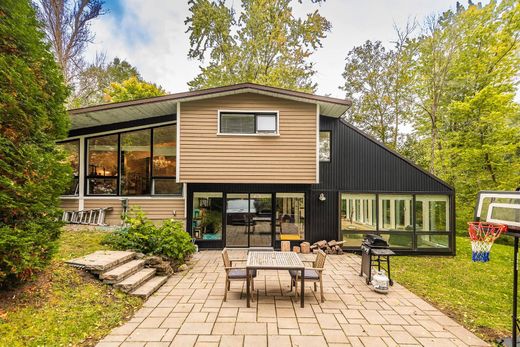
(397, 218)
(140, 162)
(143, 162)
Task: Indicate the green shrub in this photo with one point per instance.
(140, 234)
(32, 118)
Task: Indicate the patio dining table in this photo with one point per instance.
(274, 261)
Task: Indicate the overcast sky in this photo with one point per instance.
(151, 35)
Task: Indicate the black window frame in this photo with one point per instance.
(75, 177)
(118, 177)
(330, 146)
(255, 115)
(415, 234)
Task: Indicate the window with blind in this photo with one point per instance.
(248, 123)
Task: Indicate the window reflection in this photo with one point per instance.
(290, 216)
(207, 216)
(395, 212)
(432, 213)
(71, 149)
(135, 162)
(102, 163)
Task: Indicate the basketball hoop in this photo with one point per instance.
(483, 235)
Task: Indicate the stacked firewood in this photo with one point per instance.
(330, 247)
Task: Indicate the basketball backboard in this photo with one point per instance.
(499, 207)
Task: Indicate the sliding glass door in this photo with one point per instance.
(249, 220)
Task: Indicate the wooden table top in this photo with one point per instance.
(274, 260)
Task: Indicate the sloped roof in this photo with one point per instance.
(166, 104)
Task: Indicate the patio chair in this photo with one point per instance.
(313, 274)
(235, 273)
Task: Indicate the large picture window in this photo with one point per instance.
(248, 123)
(140, 162)
(71, 149)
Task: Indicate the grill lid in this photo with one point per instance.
(373, 240)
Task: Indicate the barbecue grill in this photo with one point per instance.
(375, 251)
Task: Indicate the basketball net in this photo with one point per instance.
(483, 235)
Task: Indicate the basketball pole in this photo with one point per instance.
(515, 295)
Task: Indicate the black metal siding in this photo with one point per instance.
(361, 164)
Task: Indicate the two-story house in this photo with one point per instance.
(251, 165)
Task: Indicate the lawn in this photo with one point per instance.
(478, 295)
(64, 306)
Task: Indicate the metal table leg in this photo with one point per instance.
(248, 284)
(302, 296)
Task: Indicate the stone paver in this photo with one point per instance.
(189, 311)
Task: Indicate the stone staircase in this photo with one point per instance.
(122, 270)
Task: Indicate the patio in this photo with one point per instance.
(189, 311)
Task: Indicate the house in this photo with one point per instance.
(251, 165)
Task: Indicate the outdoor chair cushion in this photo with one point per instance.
(239, 273)
(310, 274)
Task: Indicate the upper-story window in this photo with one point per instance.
(325, 145)
(71, 149)
(140, 162)
(247, 123)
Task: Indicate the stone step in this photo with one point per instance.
(122, 271)
(149, 287)
(101, 261)
(134, 281)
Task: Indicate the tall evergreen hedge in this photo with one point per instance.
(32, 117)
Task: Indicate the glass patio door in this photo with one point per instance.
(249, 220)
(237, 220)
(261, 228)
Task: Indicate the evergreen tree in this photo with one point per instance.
(32, 117)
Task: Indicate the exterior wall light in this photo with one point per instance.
(322, 197)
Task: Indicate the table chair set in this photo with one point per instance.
(265, 258)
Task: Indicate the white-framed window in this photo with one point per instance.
(247, 123)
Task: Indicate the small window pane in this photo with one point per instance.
(102, 156)
(102, 186)
(401, 240)
(164, 151)
(266, 123)
(325, 146)
(433, 241)
(166, 187)
(234, 123)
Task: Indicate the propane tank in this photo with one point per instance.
(380, 282)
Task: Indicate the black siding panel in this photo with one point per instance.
(361, 164)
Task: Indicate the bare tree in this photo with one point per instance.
(67, 27)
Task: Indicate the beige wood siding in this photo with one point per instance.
(69, 204)
(155, 209)
(208, 157)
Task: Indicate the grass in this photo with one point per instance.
(64, 306)
(478, 295)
